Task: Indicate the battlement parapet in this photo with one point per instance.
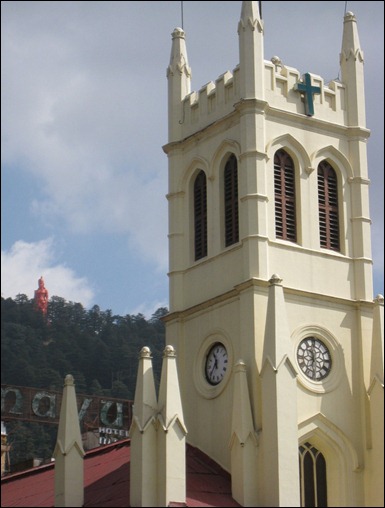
(210, 103)
(216, 100)
(281, 93)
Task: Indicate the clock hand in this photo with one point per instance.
(215, 366)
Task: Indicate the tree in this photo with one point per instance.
(120, 390)
(95, 388)
(99, 349)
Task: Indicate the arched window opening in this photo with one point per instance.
(231, 201)
(200, 216)
(312, 473)
(328, 207)
(284, 190)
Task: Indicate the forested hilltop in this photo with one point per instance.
(99, 349)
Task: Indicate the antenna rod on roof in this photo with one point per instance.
(346, 7)
(181, 8)
(260, 9)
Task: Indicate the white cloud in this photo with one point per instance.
(24, 263)
(148, 308)
(84, 102)
(77, 121)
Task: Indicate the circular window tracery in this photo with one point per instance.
(314, 358)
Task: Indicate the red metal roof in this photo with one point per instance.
(107, 481)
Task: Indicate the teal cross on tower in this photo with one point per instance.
(308, 90)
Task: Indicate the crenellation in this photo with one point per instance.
(318, 81)
(216, 98)
(192, 99)
(235, 83)
(195, 113)
(339, 90)
(281, 86)
(229, 91)
(280, 83)
(221, 83)
(330, 96)
(330, 99)
(211, 102)
(292, 75)
(190, 103)
(269, 76)
(204, 100)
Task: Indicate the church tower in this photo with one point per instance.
(279, 341)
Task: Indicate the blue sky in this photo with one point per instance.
(84, 119)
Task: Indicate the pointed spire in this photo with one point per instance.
(242, 419)
(243, 442)
(251, 52)
(143, 461)
(179, 61)
(251, 16)
(351, 48)
(352, 71)
(375, 461)
(145, 403)
(277, 345)
(170, 404)
(377, 353)
(179, 82)
(279, 436)
(171, 435)
(68, 452)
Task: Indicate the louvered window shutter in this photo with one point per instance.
(200, 216)
(284, 188)
(231, 201)
(328, 207)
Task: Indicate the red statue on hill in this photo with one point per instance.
(41, 298)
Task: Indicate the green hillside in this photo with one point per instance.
(99, 349)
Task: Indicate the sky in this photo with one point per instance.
(84, 119)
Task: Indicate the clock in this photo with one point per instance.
(314, 358)
(216, 363)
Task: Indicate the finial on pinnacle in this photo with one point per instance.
(275, 280)
(178, 33)
(240, 366)
(350, 16)
(169, 352)
(145, 352)
(69, 380)
(276, 61)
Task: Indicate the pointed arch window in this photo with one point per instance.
(284, 190)
(328, 207)
(200, 216)
(231, 201)
(312, 473)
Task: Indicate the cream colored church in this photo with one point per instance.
(279, 342)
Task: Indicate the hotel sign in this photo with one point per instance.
(113, 416)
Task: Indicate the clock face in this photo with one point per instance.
(314, 358)
(216, 364)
